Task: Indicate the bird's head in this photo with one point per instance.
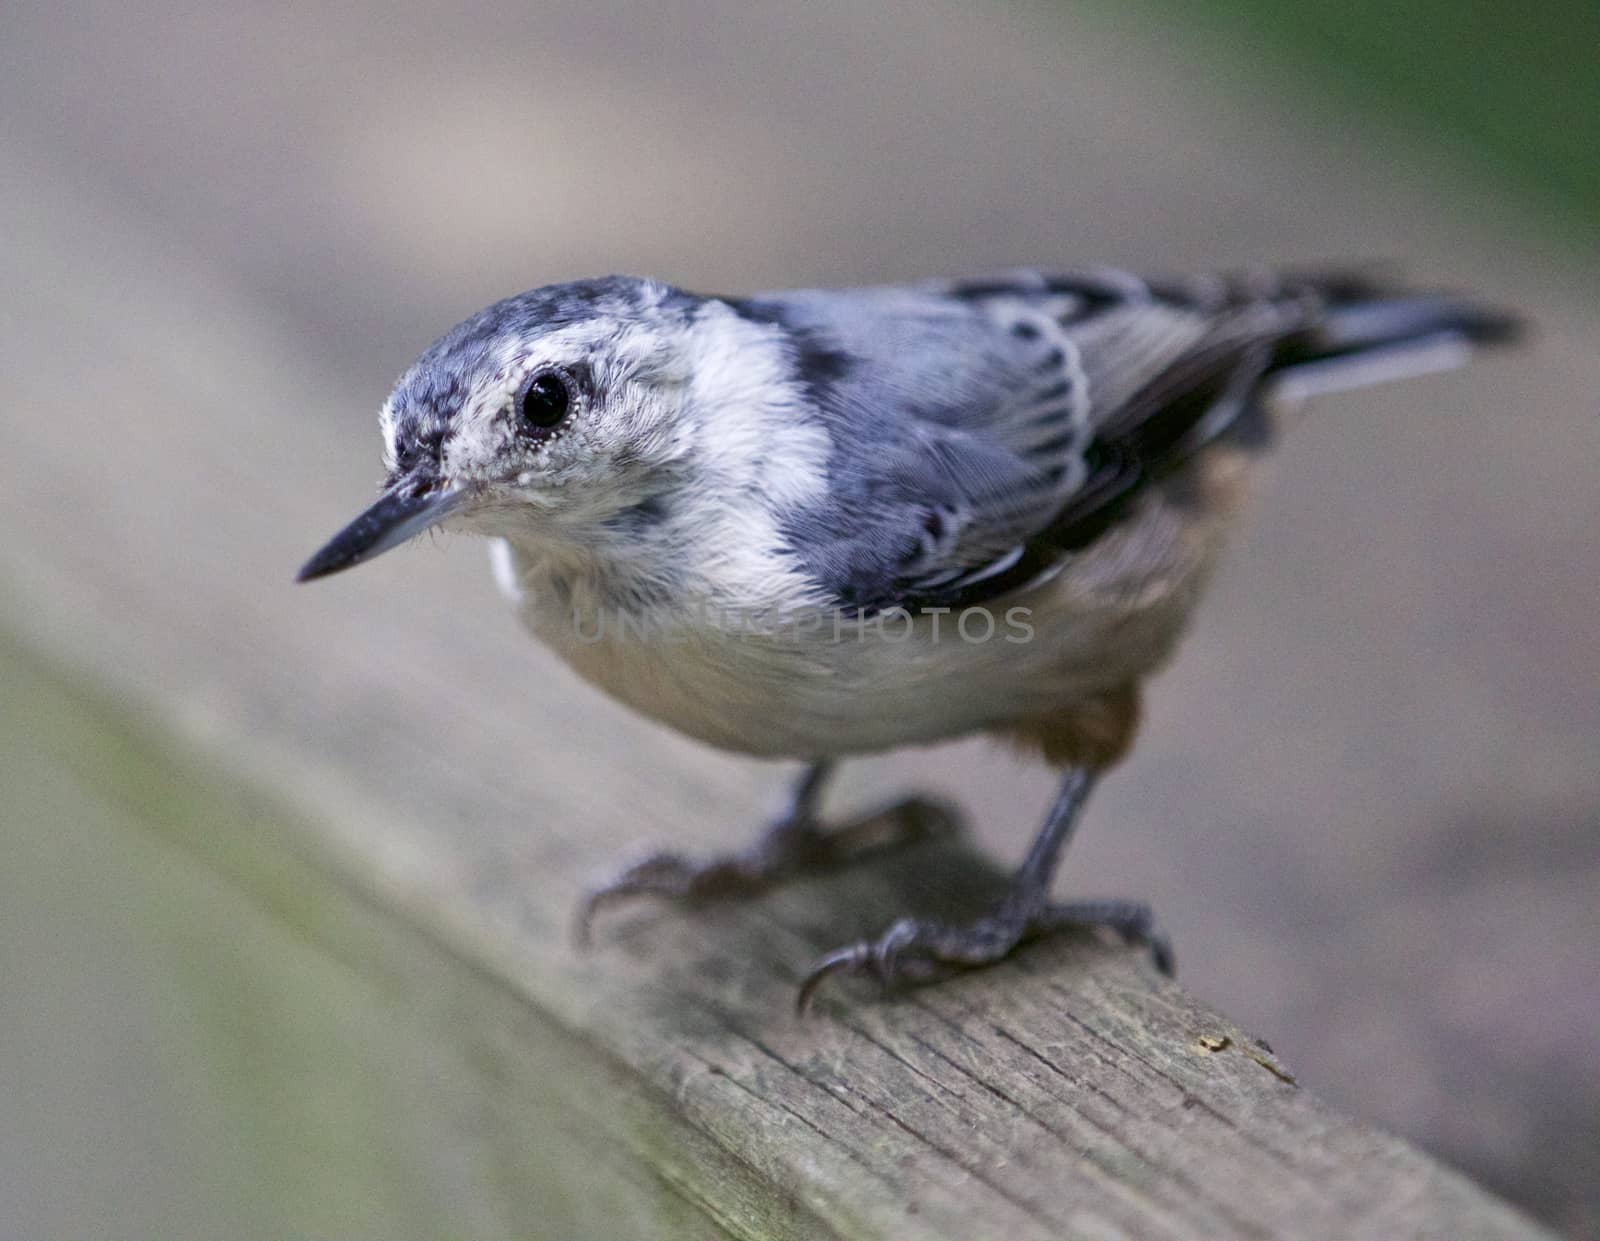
(548, 414)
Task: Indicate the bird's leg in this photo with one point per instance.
(920, 948)
(793, 843)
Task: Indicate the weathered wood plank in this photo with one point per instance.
(1070, 1095)
(429, 825)
(329, 1071)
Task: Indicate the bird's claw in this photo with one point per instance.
(919, 949)
(788, 847)
(882, 958)
(672, 876)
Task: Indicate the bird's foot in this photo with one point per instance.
(791, 846)
(918, 949)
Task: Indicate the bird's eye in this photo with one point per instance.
(544, 402)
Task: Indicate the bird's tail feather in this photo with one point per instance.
(1366, 336)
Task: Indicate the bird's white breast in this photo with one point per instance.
(816, 685)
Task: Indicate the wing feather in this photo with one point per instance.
(983, 428)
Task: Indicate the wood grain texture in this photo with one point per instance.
(388, 1083)
(438, 793)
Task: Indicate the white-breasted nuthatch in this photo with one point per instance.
(824, 523)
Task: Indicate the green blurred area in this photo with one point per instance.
(1513, 89)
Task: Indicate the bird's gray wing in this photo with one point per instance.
(983, 428)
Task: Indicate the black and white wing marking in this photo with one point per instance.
(984, 429)
(959, 425)
(975, 423)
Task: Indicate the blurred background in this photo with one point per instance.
(1368, 802)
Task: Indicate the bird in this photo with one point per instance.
(825, 523)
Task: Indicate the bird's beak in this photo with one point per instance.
(398, 515)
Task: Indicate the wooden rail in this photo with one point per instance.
(368, 809)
